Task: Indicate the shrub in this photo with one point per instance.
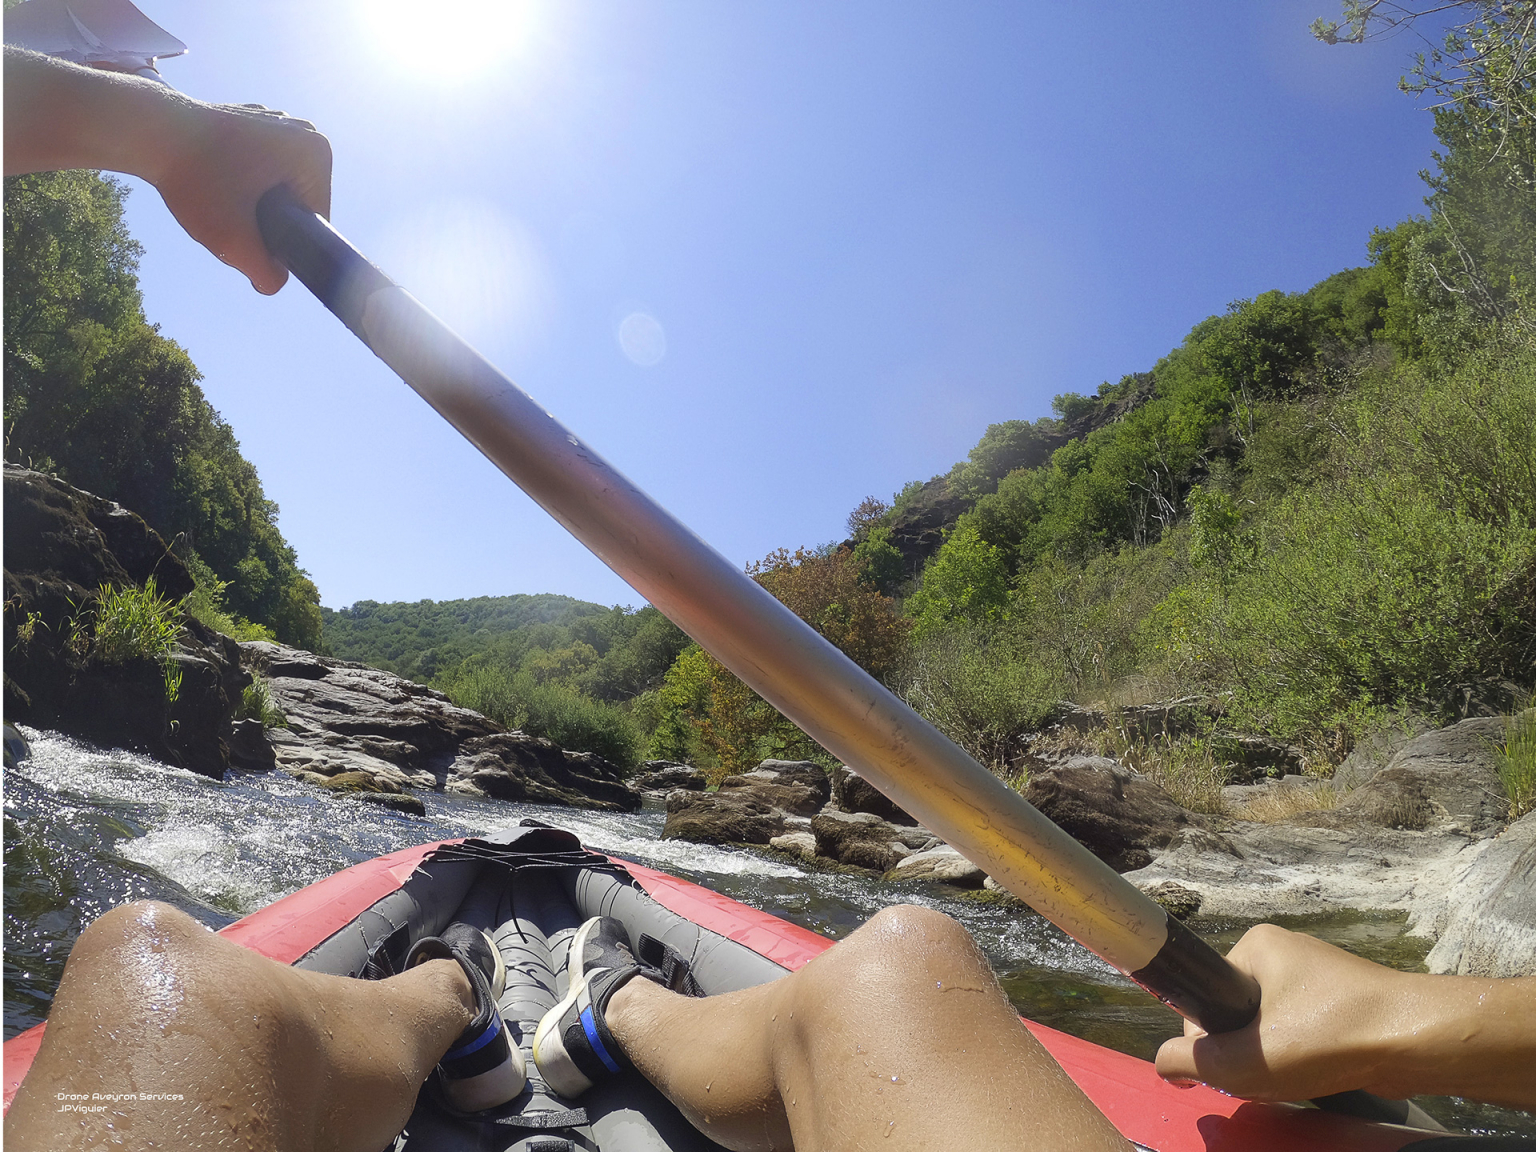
(1185, 767)
(982, 688)
(205, 604)
(552, 710)
(967, 580)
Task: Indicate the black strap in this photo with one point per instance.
(676, 974)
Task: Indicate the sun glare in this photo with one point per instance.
(448, 40)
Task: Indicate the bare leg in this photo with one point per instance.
(898, 1038)
(264, 1055)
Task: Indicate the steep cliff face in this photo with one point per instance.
(62, 546)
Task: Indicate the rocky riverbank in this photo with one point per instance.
(1417, 827)
(349, 728)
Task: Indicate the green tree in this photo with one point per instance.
(966, 580)
(96, 394)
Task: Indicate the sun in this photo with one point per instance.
(447, 40)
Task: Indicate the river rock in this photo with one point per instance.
(249, 748)
(1371, 754)
(395, 801)
(727, 817)
(1486, 919)
(1118, 815)
(1447, 779)
(865, 840)
(799, 787)
(346, 717)
(1177, 900)
(1448, 882)
(853, 793)
(532, 770)
(61, 546)
(942, 864)
(802, 844)
(665, 775)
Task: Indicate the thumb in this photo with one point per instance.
(1176, 1060)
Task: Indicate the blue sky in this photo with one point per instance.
(767, 258)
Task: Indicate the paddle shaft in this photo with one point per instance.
(772, 650)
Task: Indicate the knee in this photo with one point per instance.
(134, 929)
(909, 927)
(906, 937)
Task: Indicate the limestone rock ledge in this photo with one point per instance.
(346, 718)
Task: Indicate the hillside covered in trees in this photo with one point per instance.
(97, 395)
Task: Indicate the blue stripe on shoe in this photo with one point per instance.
(596, 1041)
(480, 1041)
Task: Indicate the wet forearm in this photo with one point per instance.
(1463, 1036)
(60, 115)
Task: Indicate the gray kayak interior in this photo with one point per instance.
(531, 888)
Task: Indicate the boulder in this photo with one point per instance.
(249, 748)
(865, 840)
(801, 844)
(853, 793)
(1486, 922)
(1370, 755)
(532, 770)
(61, 546)
(395, 802)
(1117, 814)
(358, 782)
(1445, 780)
(942, 864)
(345, 717)
(727, 817)
(664, 775)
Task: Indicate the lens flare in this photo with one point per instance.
(477, 268)
(643, 339)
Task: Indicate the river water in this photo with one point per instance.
(86, 830)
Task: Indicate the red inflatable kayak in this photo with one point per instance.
(533, 886)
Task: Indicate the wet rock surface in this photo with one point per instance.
(866, 841)
(942, 864)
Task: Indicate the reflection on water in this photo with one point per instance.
(86, 830)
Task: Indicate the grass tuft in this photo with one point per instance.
(1277, 805)
(256, 704)
(138, 624)
(1517, 763)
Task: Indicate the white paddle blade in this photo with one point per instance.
(110, 34)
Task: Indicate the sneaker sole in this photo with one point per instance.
(499, 979)
(549, 1055)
